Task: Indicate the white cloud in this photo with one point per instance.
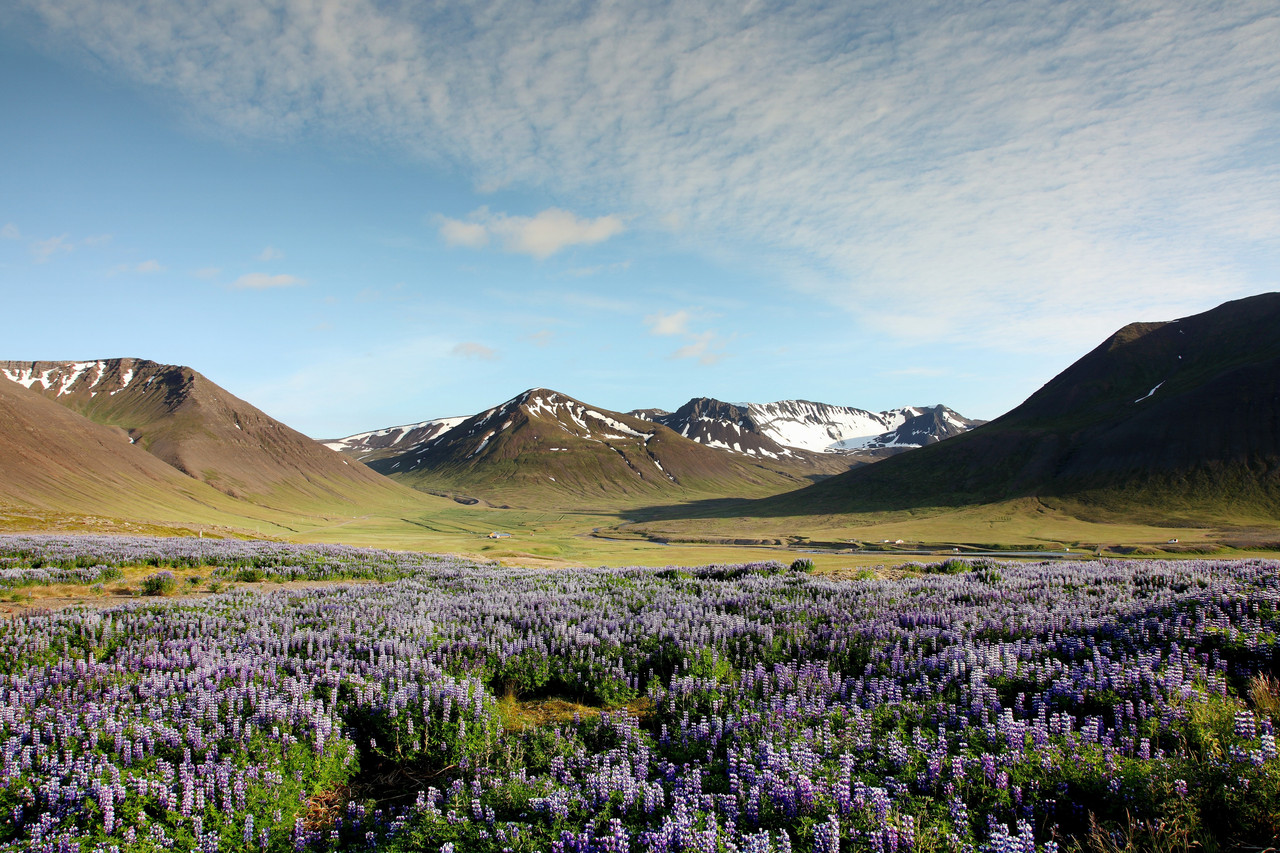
(705, 347)
(583, 272)
(540, 236)
(43, 250)
(264, 281)
(473, 235)
(470, 349)
(145, 267)
(552, 230)
(990, 167)
(270, 253)
(675, 323)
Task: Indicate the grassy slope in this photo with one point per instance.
(62, 471)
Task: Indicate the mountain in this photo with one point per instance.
(929, 426)
(58, 462)
(543, 443)
(777, 430)
(392, 441)
(1168, 418)
(187, 421)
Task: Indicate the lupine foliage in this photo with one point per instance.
(27, 560)
(1001, 707)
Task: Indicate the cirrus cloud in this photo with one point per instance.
(988, 167)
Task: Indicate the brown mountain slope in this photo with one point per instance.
(55, 460)
(189, 422)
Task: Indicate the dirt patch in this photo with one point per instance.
(62, 596)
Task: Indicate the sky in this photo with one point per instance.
(362, 213)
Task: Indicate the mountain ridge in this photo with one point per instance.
(781, 427)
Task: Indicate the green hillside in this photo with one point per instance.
(1169, 419)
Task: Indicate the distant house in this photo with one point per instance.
(1173, 542)
(496, 535)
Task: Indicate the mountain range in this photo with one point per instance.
(544, 442)
(1170, 419)
(544, 445)
(777, 430)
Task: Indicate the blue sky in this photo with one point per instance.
(355, 214)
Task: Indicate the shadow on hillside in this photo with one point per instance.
(705, 508)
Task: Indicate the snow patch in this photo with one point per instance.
(23, 378)
(102, 368)
(821, 428)
(125, 379)
(1148, 394)
(481, 446)
(77, 369)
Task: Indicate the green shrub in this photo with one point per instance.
(161, 583)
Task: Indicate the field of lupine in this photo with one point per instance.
(32, 560)
(988, 707)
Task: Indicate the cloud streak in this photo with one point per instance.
(265, 281)
(471, 349)
(539, 236)
(962, 168)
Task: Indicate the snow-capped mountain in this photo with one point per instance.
(544, 445)
(778, 429)
(367, 446)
